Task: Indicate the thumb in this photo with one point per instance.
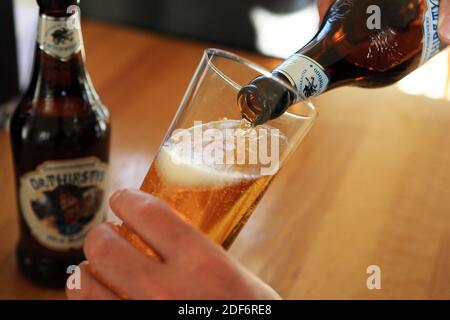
(444, 21)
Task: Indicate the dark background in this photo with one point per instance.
(8, 59)
(225, 22)
(221, 21)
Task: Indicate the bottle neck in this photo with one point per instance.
(59, 64)
(310, 69)
(348, 50)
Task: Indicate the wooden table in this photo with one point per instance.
(370, 185)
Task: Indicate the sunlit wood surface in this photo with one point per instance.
(370, 185)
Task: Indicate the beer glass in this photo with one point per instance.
(212, 167)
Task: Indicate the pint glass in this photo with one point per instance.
(212, 168)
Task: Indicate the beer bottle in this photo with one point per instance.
(364, 43)
(60, 137)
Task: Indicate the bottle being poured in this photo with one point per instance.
(363, 43)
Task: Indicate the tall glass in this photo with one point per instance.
(212, 168)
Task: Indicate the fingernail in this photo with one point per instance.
(116, 195)
(444, 28)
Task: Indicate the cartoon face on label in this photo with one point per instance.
(57, 39)
(62, 201)
(68, 208)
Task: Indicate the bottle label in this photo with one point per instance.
(305, 74)
(62, 200)
(59, 37)
(431, 42)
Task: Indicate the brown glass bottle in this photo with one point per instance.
(60, 137)
(364, 43)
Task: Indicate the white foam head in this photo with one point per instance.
(189, 174)
(200, 155)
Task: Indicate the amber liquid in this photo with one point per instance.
(59, 118)
(36, 139)
(350, 53)
(353, 54)
(218, 206)
(220, 212)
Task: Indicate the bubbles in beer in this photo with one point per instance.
(220, 152)
(212, 175)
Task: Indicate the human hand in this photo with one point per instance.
(191, 266)
(444, 21)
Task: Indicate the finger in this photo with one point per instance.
(444, 21)
(120, 265)
(91, 289)
(158, 225)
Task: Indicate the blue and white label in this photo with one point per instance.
(305, 74)
(431, 42)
